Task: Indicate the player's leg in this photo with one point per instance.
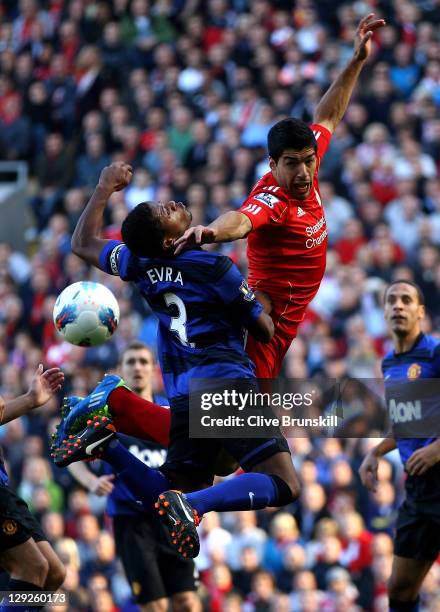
(136, 539)
(180, 577)
(416, 547)
(187, 601)
(145, 482)
(158, 605)
(265, 356)
(131, 414)
(280, 465)
(404, 585)
(20, 555)
(98, 439)
(56, 571)
(268, 357)
(270, 480)
(265, 488)
(275, 485)
(26, 564)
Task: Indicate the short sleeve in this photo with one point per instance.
(117, 259)
(322, 137)
(262, 206)
(235, 293)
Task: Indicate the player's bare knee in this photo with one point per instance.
(290, 490)
(33, 570)
(294, 485)
(399, 589)
(57, 572)
(185, 602)
(159, 605)
(55, 577)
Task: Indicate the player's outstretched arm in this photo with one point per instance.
(43, 386)
(369, 466)
(99, 485)
(333, 105)
(86, 240)
(230, 226)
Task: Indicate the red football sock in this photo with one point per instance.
(137, 417)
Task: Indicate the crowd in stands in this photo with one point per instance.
(186, 91)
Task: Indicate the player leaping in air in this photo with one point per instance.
(203, 305)
(287, 240)
(284, 197)
(283, 217)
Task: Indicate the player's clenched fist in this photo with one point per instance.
(115, 177)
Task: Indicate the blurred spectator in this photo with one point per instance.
(90, 164)
(87, 538)
(54, 170)
(283, 532)
(37, 473)
(247, 535)
(263, 592)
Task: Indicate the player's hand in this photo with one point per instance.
(367, 26)
(264, 300)
(422, 459)
(194, 236)
(44, 385)
(368, 472)
(102, 485)
(115, 177)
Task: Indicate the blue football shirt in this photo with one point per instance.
(411, 391)
(204, 306)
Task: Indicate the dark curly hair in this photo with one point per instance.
(289, 133)
(142, 232)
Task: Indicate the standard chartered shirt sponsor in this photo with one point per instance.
(311, 230)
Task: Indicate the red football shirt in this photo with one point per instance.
(288, 242)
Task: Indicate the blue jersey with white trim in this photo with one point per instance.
(203, 305)
(412, 401)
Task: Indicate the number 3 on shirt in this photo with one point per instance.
(178, 324)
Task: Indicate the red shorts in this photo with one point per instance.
(268, 358)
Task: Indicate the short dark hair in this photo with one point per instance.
(404, 281)
(137, 345)
(289, 133)
(142, 232)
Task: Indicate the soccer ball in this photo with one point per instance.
(86, 314)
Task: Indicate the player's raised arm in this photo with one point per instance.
(232, 225)
(333, 105)
(43, 386)
(86, 240)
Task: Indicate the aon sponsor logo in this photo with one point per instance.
(154, 458)
(401, 412)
